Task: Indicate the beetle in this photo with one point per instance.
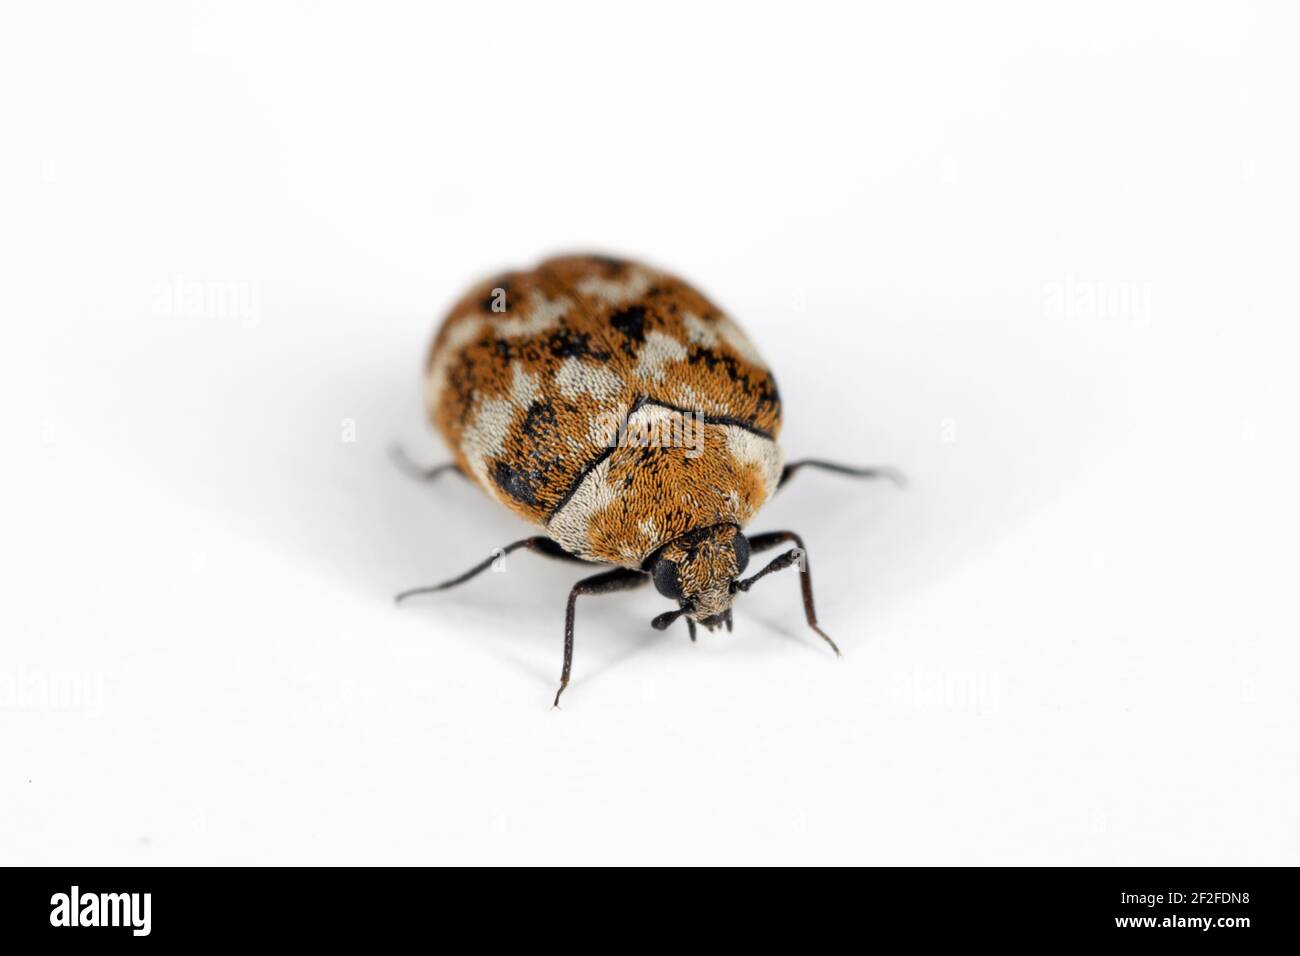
(630, 420)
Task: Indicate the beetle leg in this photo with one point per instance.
(770, 539)
(544, 545)
(619, 579)
(403, 461)
(893, 474)
(797, 555)
(690, 627)
(541, 545)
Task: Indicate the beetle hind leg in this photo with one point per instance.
(407, 466)
(853, 471)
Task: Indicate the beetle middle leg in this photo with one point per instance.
(797, 555)
(403, 461)
(539, 544)
(892, 474)
(619, 579)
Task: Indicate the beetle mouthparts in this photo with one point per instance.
(718, 620)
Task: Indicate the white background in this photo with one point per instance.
(1042, 257)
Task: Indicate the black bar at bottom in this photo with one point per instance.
(1226, 906)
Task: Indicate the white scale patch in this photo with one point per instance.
(748, 448)
(701, 332)
(617, 291)
(459, 334)
(737, 339)
(658, 351)
(486, 436)
(542, 315)
(652, 419)
(698, 330)
(576, 377)
(525, 388)
(687, 397)
(568, 526)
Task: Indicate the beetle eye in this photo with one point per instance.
(666, 580)
(741, 544)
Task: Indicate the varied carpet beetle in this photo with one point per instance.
(622, 413)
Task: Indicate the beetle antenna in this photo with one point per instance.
(776, 564)
(665, 619)
(781, 563)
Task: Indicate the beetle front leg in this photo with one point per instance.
(619, 579)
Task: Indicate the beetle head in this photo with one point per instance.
(697, 571)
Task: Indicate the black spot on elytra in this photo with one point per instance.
(567, 343)
(631, 322)
(702, 354)
(763, 390)
(541, 415)
(516, 484)
(770, 395)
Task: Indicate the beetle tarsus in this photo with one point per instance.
(827, 638)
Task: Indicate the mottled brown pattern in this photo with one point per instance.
(528, 398)
(669, 493)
